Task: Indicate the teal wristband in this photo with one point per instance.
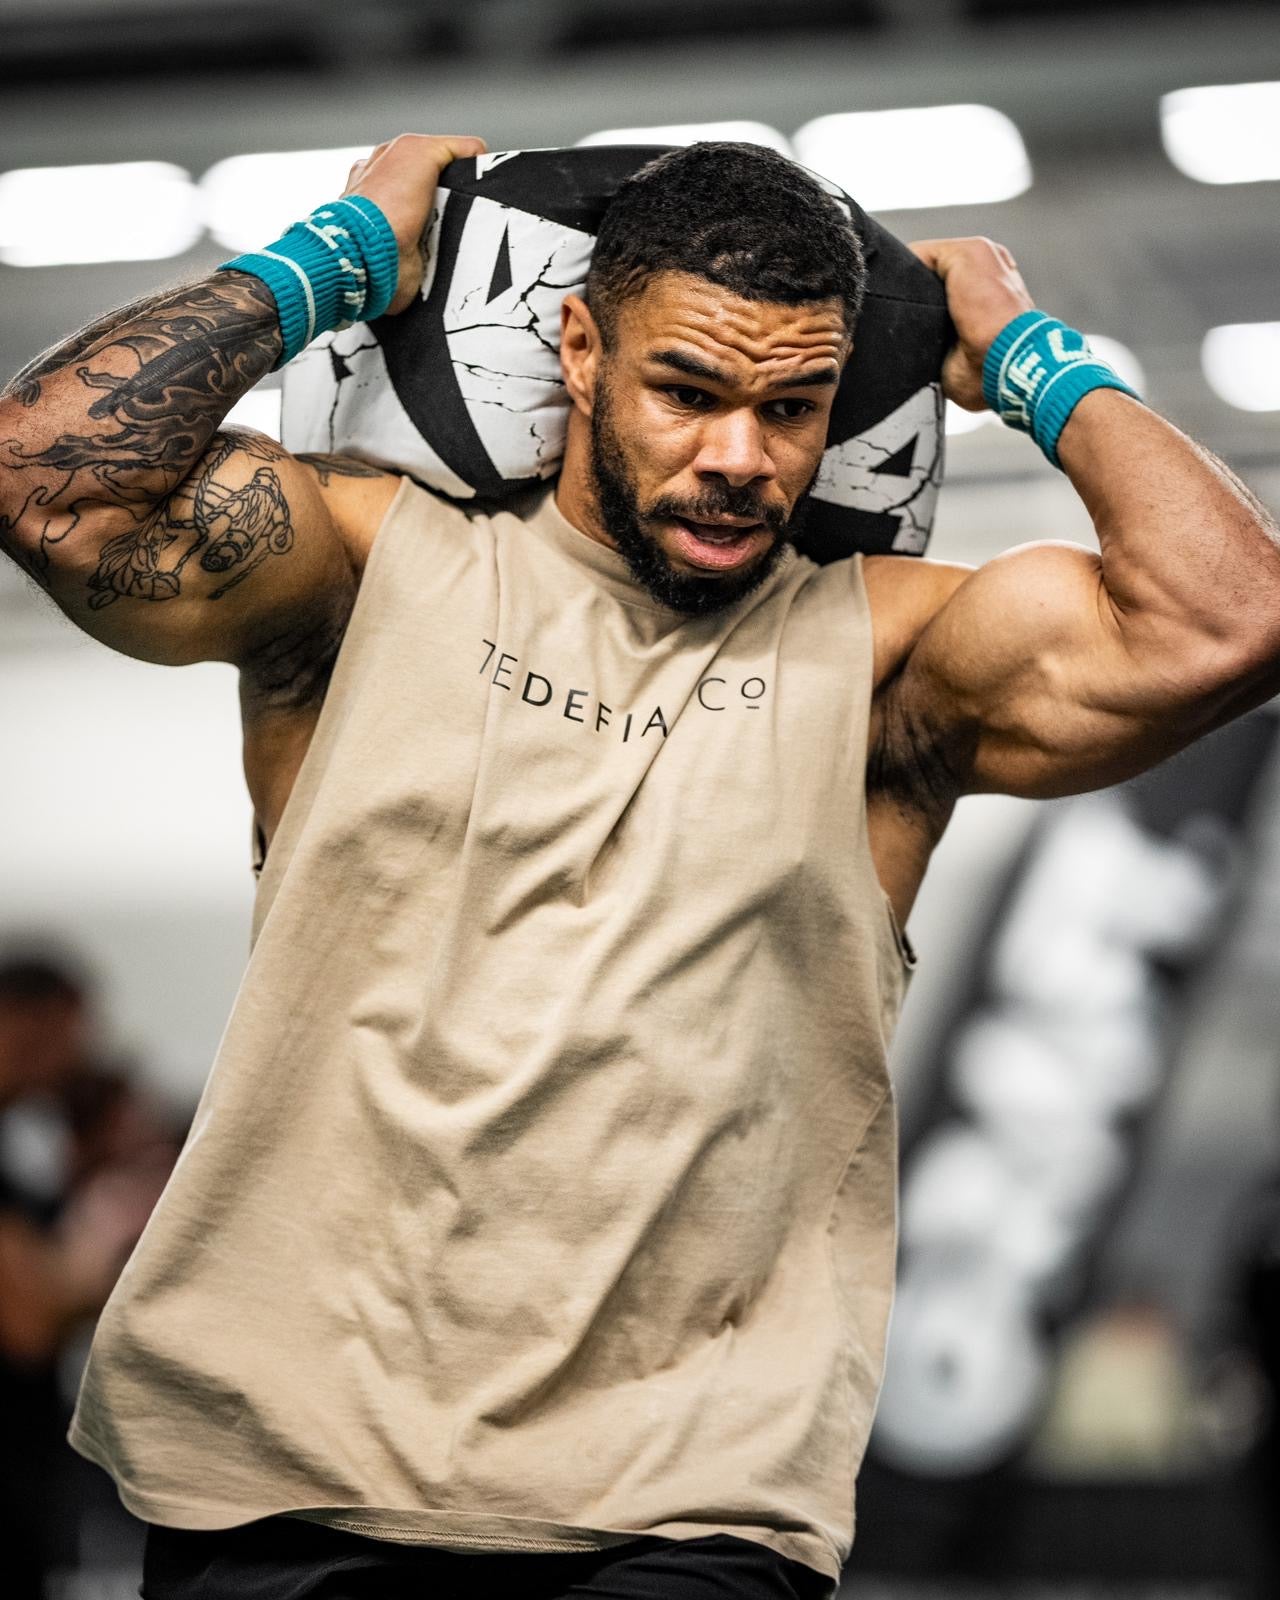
(337, 266)
(1035, 374)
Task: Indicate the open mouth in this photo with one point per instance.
(718, 546)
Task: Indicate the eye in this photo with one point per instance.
(789, 410)
(685, 395)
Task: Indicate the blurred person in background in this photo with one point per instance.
(559, 1070)
(82, 1162)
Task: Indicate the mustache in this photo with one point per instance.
(725, 500)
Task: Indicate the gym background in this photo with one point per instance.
(1081, 1396)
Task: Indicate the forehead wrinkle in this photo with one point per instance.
(801, 335)
(754, 367)
(764, 363)
(679, 361)
(715, 324)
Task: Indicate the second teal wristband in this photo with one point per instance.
(337, 266)
(1035, 374)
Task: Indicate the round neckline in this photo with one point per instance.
(580, 548)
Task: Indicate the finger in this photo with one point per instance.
(928, 250)
(360, 167)
(461, 145)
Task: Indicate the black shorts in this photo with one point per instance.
(284, 1558)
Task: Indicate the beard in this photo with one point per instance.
(623, 520)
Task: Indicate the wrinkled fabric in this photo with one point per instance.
(542, 1193)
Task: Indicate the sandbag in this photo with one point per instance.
(463, 390)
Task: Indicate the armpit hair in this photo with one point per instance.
(916, 761)
(292, 670)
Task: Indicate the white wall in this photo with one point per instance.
(124, 830)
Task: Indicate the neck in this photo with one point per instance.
(575, 492)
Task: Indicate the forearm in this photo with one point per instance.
(96, 437)
(98, 432)
(1190, 557)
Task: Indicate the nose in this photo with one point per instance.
(732, 447)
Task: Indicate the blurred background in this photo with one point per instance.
(1081, 1394)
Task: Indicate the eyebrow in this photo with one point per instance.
(691, 367)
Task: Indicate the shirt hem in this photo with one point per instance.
(447, 1529)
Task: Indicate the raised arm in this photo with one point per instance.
(151, 529)
(1054, 669)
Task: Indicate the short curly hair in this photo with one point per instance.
(741, 216)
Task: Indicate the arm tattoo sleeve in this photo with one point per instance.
(233, 528)
(328, 467)
(119, 417)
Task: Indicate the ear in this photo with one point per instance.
(581, 349)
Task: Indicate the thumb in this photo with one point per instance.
(931, 252)
(460, 146)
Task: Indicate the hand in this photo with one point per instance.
(985, 291)
(400, 177)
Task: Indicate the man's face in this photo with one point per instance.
(708, 422)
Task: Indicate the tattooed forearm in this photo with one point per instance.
(25, 384)
(117, 417)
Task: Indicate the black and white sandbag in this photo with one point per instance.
(463, 390)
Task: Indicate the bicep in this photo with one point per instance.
(1032, 678)
(243, 546)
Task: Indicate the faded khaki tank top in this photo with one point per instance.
(542, 1193)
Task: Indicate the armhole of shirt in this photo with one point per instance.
(898, 934)
(258, 848)
(258, 837)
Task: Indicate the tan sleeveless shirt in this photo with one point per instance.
(542, 1194)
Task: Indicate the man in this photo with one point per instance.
(535, 1233)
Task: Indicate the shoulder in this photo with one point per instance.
(362, 514)
(361, 499)
(904, 595)
(357, 497)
